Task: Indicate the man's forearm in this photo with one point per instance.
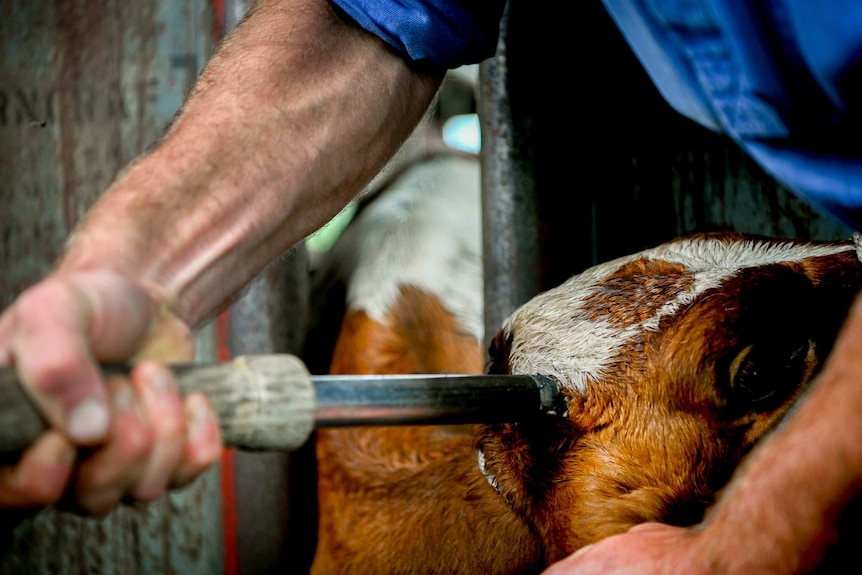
(292, 116)
(781, 511)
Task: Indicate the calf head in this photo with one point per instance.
(674, 362)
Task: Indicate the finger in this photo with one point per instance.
(40, 476)
(109, 473)
(122, 315)
(54, 362)
(163, 405)
(203, 445)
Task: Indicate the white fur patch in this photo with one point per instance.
(480, 462)
(424, 232)
(554, 335)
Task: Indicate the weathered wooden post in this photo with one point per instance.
(84, 88)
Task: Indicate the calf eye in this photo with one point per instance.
(762, 376)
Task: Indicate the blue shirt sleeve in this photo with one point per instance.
(783, 78)
(440, 34)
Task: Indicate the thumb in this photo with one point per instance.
(59, 330)
(43, 336)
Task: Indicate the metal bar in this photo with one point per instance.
(510, 225)
(270, 402)
(423, 399)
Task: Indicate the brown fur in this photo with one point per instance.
(421, 337)
(654, 439)
(637, 290)
(406, 499)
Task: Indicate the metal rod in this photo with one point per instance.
(422, 399)
(271, 402)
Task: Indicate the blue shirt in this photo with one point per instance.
(782, 78)
(439, 34)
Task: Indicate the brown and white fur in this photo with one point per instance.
(674, 362)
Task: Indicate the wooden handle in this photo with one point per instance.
(263, 402)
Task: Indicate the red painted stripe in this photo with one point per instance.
(230, 518)
(229, 513)
(228, 483)
(222, 349)
(218, 12)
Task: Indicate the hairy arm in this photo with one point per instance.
(293, 115)
(295, 112)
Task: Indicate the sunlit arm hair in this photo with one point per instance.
(295, 112)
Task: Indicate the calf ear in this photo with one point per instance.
(522, 460)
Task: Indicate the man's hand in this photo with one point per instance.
(126, 437)
(646, 549)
